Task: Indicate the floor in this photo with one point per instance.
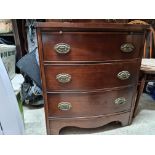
(143, 124)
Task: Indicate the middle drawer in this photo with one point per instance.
(61, 77)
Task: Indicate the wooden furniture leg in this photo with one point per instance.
(140, 91)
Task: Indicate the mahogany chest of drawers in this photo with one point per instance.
(89, 72)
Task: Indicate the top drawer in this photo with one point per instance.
(91, 46)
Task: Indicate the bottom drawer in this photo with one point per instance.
(85, 104)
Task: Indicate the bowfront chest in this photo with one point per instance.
(89, 72)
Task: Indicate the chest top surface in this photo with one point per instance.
(92, 26)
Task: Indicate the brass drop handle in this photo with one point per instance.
(120, 101)
(63, 77)
(62, 48)
(123, 75)
(127, 47)
(64, 106)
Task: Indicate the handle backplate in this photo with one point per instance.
(123, 75)
(127, 47)
(64, 106)
(62, 48)
(120, 101)
(63, 77)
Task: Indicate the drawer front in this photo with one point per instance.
(89, 104)
(90, 76)
(90, 46)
